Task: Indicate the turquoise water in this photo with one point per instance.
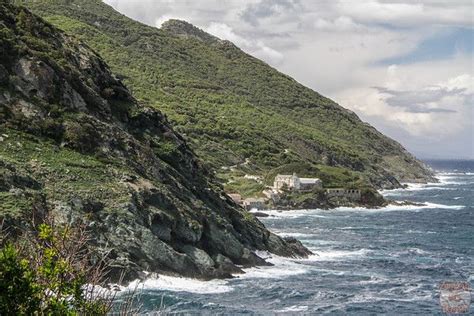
(366, 261)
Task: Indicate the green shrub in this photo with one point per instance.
(46, 272)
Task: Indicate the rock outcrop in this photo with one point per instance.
(76, 144)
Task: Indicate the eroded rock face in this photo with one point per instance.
(95, 155)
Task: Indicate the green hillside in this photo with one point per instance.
(76, 146)
(234, 109)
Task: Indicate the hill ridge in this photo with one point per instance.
(233, 107)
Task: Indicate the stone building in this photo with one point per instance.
(293, 182)
(308, 184)
(352, 194)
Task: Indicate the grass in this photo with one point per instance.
(65, 173)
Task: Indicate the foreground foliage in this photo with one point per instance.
(48, 271)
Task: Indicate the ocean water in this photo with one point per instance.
(367, 261)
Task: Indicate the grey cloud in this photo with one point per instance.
(418, 101)
(265, 8)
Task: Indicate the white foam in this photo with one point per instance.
(337, 255)
(293, 308)
(179, 284)
(293, 213)
(445, 179)
(282, 267)
(410, 251)
(390, 208)
(455, 174)
(296, 235)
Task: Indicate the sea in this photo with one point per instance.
(391, 260)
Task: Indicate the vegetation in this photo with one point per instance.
(48, 271)
(76, 144)
(230, 106)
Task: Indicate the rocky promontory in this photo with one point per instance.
(75, 144)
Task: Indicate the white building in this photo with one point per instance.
(310, 183)
(293, 182)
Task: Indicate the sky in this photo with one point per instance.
(406, 67)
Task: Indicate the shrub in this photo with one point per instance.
(48, 271)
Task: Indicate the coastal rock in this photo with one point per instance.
(80, 148)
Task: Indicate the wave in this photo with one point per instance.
(293, 309)
(282, 267)
(337, 255)
(293, 213)
(410, 252)
(455, 173)
(296, 235)
(445, 181)
(180, 284)
(389, 208)
(413, 187)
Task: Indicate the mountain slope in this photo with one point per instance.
(75, 143)
(233, 107)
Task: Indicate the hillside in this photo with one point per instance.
(74, 143)
(234, 109)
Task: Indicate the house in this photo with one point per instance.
(293, 182)
(308, 184)
(237, 198)
(254, 203)
(352, 194)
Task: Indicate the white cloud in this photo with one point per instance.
(256, 48)
(342, 23)
(223, 31)
(409, 13)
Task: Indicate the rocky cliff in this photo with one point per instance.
(76, 144)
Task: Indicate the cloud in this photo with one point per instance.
(342, 23)
(224, 31)
(407, 13)
(267, 8)
(256, 48)
(426, 100)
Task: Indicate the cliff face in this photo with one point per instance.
(232, 107)
(76, 144)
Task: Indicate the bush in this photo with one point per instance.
(48, 271)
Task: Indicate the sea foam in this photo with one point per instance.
(179, 284)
